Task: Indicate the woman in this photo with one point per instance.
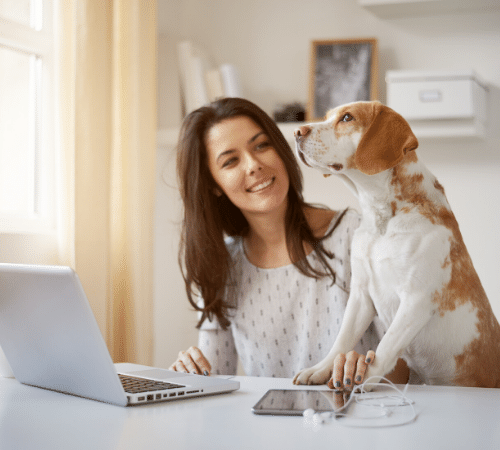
(268, 272)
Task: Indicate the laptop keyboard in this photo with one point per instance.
(134, 385)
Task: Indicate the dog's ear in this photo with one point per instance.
(385, 142)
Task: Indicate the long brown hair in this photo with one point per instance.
(208, 218)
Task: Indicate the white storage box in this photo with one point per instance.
(439, 103)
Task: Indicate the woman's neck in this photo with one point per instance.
(265, 244)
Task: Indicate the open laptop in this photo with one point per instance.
(51, 340)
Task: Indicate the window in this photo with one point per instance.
(26, 117)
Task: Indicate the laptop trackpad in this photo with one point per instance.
(157, 374)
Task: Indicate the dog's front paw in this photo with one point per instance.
(317, 374)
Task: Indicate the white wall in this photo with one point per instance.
(269, 42)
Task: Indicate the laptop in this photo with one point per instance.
(52, 341)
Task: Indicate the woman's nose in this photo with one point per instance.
(253, 164)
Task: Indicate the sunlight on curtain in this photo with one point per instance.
(108, 135)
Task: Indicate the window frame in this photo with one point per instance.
(37, 39)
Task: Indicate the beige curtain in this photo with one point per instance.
(107, 118)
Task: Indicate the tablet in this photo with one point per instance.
(293, 402)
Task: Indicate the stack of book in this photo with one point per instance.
(201, 82)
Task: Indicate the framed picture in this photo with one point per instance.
(341, 71)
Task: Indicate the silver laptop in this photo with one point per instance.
(51, 340)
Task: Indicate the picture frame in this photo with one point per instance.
(341, 71)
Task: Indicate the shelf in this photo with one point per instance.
(407, 8)
(465, 128)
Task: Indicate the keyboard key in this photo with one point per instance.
(134, 385)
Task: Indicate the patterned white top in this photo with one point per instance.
(284, 321)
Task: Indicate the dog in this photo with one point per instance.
(409, 262)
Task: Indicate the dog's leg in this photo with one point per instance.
(358, 315)
(412, 315)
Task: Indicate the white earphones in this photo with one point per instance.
(386, 409)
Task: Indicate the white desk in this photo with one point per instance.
(31, 418)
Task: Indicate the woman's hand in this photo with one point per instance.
(349, 370)
(192, 361)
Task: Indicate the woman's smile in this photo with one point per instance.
(261, 186)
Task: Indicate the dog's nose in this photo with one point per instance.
(301, 132)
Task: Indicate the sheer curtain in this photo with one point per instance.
(107, 129)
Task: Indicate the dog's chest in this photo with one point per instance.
(376, 267)
(407, 257)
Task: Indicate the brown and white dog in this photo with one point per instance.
(409, 262)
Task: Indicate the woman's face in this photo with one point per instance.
(246, 167)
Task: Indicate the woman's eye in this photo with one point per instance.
(347, 118)
(263, 145)
(229, 162)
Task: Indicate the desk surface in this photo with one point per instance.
(31, 418)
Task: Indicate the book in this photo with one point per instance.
(200, 82)
(230, 80)
(215, 89)
(193, 63)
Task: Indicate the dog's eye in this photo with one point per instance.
(347, 118)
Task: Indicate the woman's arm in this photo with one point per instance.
(218, 347)
(216, 354)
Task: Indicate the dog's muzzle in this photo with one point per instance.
(336, 166)
(302, 156)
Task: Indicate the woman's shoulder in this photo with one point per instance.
(322, 221)
(350, 219)
(234, 246)
(340, 232)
